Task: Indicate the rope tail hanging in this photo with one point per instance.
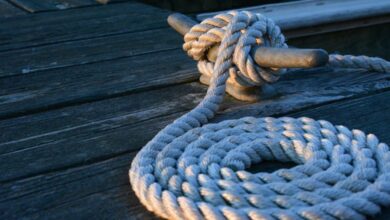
(195, 170)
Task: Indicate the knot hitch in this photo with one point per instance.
(267, 58)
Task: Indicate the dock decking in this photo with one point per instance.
(83, 89)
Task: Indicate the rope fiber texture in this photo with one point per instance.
(195, 170)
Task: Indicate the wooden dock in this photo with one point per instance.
(84, 86)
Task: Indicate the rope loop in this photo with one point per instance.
(255, 30)
(195, 170)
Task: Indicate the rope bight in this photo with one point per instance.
(195, 170)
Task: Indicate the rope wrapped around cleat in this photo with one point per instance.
(195, 170)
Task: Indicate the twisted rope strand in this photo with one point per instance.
(195, 170)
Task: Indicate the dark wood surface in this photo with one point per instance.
(55, 27)
(8, 10)
(82, 90)
(47, 5)
(186, 6)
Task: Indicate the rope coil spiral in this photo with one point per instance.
(195, 170)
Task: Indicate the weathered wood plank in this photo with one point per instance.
(370, 41)
(93, 50)
(84, 83)
(105, 190)
(72, 162)
(48, 5)
(71, 136)
(91, 131)
(53, 5)
(26, 61)
(201, 6)
(7, 10)
(65, 188)
(77, 24)
(110, 1)
(102, 189)
(48, 89)
(310, 13)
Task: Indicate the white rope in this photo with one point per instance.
(195, 170)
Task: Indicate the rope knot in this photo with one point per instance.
(246, 30)
(195, 170)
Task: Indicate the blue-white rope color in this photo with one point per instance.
(195, 170)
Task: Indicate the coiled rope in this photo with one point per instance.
(195, 170)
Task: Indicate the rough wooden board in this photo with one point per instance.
(98, 190)
(370, 41)
(299, 14)
(110, 1)
(340, 26)
(101, 189)
(49, 89)
(72, 136)
(83, 134)
(26, 61)
(85, 83)
(201, 6)
(77, 24)
(49, 5)
(7, 10)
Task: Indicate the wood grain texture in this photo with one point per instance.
(71, 136)
(98, 190)
(26, 61)
(370, 41)
(91, 131)
(71, 125)
(7, 10)
(110, 1)
(201, 6)
(101, 189)
(48, 5)
(309, 13)
(79, 24)
(50, 89)
(47, 89)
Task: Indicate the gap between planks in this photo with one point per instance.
(49, 89)
(85, 133)
(313, 13)
(35, 6)
(78, 24)
(103, 186)
(8, 10)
